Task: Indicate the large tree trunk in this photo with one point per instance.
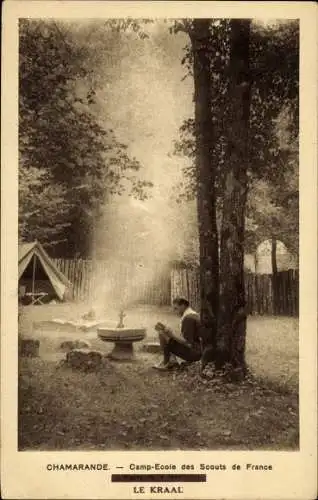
(232, 317)
(206, 197)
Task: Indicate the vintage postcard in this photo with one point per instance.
(159, 250)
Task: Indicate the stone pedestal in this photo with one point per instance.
(123, 351)
(123, 339)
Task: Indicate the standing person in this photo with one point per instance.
(187, 346)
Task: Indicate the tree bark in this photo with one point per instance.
(232, 317)
(255, 262)
(206, 172)
(274, 256)
(274, 275)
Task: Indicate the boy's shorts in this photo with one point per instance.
(183, 351)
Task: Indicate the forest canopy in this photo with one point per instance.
(71, 158)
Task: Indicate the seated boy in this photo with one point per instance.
(187, 346)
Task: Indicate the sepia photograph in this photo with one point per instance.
(159, 250)
(158, 219)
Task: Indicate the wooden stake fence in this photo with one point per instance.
(159, 288)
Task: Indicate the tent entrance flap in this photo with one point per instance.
(38, 273)
(35, 279)
(58, 286)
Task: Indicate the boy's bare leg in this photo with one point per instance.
(168, 357)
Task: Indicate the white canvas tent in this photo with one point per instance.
(38, 273)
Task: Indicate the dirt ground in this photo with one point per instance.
(131, 406)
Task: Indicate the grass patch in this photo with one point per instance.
(131, 406)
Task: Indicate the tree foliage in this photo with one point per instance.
(252, 130)
(273, 202)
(63, 144)
(273, 155)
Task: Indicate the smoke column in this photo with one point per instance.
(148, 104)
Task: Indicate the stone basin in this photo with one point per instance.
(123, 339)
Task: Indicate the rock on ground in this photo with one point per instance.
(152, 347)
(84, 359)
(29, 347)
(68, 345)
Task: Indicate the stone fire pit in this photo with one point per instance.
(123, 338)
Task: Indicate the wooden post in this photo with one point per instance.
(255, 262)
(33, 275)
(275, 277)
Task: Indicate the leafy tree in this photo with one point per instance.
(231, 341)
(275, 114)
(273, 204)
(198, 61)
(273, 155)
(200, 37)
(35, 189)
(268, 78)
(62, 139)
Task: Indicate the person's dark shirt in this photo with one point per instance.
(190, 329)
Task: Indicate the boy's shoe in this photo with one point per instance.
(184, 364)
(166, 366)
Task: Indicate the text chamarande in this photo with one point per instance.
(77, 467)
